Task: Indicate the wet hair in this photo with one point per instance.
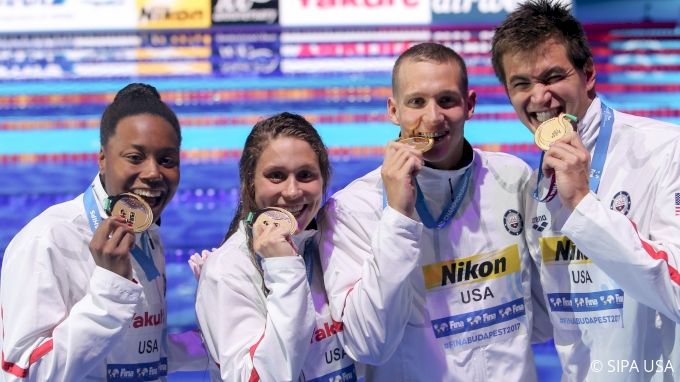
(135, 99)
(266, 130)
(430, 52)
(531, 25)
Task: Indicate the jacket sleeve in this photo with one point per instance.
(42, 340)
(644, 266)
(186, 352)
(251, 345)
(367, 262)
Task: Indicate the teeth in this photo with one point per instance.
(148, 193)
(546, 115)
(294, 209)
(432, 135)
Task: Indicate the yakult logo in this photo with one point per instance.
(354, 12)
(148, 319)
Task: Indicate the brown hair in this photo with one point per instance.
(429, 52)
(534, 23)
(280, 125)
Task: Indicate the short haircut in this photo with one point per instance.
(430, 52)
(135, 99)
(534, 23)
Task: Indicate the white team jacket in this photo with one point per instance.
(608, 266)
(273, 337)
(65, 319)
(452, 304)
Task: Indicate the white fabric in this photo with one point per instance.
(373, 267)
(274, 336)
(65, 319)
(641, 167)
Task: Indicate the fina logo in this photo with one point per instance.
(621, 202)
(513, 222)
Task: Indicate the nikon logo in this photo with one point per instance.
(465, 271)
(567, 251)
(164, 13)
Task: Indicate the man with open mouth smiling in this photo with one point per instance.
(604, 227)
(426, 264)
(83, 295)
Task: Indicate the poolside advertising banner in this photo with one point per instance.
(173, 14)
(303, 13)
(230, 12)
(246, 54)
(66, 15)
(467, 12)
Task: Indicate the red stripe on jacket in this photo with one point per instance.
(660, 255)
(254, 377)
(37, 353)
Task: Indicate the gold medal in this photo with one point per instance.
(552, 130)
(276, 216)
(421, 143)
(135, 210)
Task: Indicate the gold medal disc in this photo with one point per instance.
(135, 210)
(278, 217)
(552, 130)
(421, 143)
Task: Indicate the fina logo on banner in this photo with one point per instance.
(245, 11)
(354, 12)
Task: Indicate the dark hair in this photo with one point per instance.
(135, 99)
(534, 23)
(280, 125)
(429, 52)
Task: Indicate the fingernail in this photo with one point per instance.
(121, 215)
(129, 224)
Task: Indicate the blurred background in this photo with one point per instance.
(224, 64)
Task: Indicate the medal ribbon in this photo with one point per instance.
(597, 163)
(311, 249)
(143, 255)
(450, 209)
(601, 147)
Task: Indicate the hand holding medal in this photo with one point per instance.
(403, 161)
(114, 238)
(273, 228)
(566, 161)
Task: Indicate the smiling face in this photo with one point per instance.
(543, 83)
(430, 102)
(288, 176)
(142, 157)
